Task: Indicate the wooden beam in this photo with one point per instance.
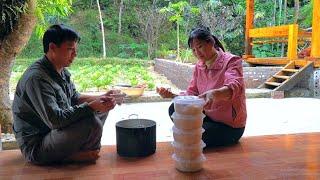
(273, 83)
(279, 61)
(315, 42)
(277, 41)
(290, 70)
(281, 77)
(267, 32)
(249, 25)
(293, 42)
(300, 63)
(268, 61)
(276, 32)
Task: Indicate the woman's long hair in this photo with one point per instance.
(204, 34)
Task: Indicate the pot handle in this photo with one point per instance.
(131, 115)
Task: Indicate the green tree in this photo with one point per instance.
(177, 14)
(226, 19)
(18, 19)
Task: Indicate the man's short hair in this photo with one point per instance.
(59, 34)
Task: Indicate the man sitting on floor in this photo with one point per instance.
(52, 121)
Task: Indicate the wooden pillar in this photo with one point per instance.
(249, 25)
(293, 42)
(315, 40)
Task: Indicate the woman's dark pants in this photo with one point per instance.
(216, 133)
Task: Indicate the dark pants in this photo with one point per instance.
(83, 135)
(216, 133)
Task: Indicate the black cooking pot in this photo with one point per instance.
(136, 137)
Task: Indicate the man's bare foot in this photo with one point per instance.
(84, 156)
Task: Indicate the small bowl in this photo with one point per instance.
(188, 152)
(189, 165)
(131, 91)
(188, 137)
(188, 105)
(187, 122)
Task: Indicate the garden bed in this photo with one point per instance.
(98, 75)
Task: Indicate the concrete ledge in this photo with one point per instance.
(8, 145)
(8, 141)
(148, 96)
(258, 93)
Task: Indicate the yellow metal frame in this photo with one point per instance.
(291, 32)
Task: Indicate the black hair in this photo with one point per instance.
(204, 34)
(59, 34)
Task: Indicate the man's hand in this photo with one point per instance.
(113, 91)
(117, 95)
(103, 104)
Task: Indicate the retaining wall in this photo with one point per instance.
(180, 74)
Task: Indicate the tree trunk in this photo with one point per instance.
(102, 31)
(280, 12)
(284, 22)
(296, 11)
(91, 3)
(120, 16)
(178, 42)
(9, 48)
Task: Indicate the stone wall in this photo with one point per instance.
(180, 75)
(255, 76)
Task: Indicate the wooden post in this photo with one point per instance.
(293, 42)
(249, 25)
(315, 40)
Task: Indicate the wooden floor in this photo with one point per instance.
(294, 156)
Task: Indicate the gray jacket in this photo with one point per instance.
(45, 100)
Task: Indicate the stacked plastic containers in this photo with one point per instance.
(187, 133)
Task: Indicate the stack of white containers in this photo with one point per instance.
(187, 133)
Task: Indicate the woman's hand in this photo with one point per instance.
(165, 92)
(208, 97)
(221, 94)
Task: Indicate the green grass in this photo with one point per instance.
(93, 74)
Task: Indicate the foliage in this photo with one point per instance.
(226, 21)
(133, 50)
(10, 13)
(187, 56)
(266, 50)
(306, 16)
(51, 11)
(225, 18)
(178, 12)
(92, 74)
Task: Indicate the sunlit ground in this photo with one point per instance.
(265, 117)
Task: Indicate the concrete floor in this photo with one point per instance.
(265, 117)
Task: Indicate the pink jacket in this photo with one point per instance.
(225, 71)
